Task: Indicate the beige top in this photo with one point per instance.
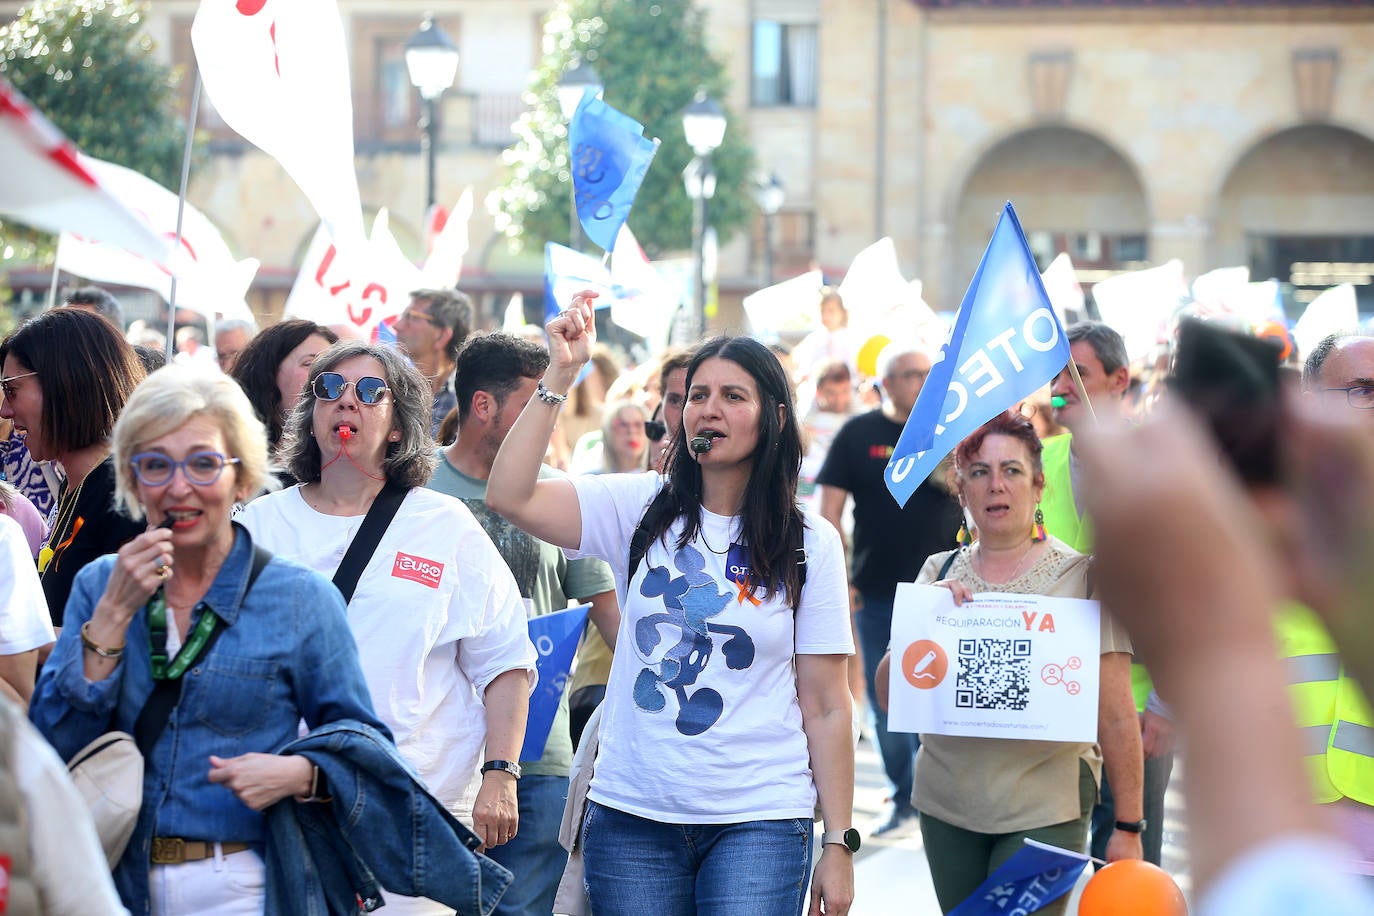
(1001, 785)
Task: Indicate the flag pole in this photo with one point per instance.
(52, 287)
(181, 210)
(1083, 392)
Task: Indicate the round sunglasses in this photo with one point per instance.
(330, 386)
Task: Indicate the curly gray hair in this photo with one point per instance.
(409, 462)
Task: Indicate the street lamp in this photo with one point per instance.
(432, 62)
(576, 80)
(768, 194)
(703, 124)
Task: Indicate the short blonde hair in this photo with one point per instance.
(166, 401)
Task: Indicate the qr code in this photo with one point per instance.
(993, 674)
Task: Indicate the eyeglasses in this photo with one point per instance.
(7, 388)
(330, 386)
(154, 469)
(414, 314)
(1361, 397)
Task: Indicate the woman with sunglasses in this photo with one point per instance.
(66, 375)
(189, 606)
(727, 714)
(438, 618)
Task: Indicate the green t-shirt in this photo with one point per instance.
(547, 581)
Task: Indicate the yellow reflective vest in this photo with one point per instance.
(1333, 715)
(1063, 520)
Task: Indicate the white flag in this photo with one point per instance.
(1140, 304)
(277, 72)
(45, 185)
(209, 279)
(644, 302)
(1061, 283)
(354, 285)
(444, 265)
(1332, 311)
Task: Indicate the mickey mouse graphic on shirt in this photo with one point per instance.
(689, 601)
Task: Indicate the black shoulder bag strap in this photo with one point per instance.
(944, 570)
(365, 542)
(152, 719)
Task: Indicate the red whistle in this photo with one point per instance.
(345, 433)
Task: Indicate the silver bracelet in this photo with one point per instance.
(549, 397)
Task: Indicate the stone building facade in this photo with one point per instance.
(1126, 133)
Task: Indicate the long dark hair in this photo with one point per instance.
(258, 363)
(770, 519)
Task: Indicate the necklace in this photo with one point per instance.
(701, 532)
(982, 574)
(66, 509)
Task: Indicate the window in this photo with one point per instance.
(784, 63)
(386, 106)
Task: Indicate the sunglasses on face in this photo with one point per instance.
(154, 469)
(330, 386)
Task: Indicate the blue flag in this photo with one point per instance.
(555, 637)
(1006, 342)
(610, 156)
(567, 273)
(1037, 875)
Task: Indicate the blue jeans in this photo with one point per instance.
(898, 749)
(534, 856)
(639, 867)
(1157, 770)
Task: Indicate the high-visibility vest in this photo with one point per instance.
(1063, 520)
(1333, 716)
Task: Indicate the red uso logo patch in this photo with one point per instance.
(417, 569)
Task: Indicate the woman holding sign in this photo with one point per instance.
(980, 798)
(727, 714)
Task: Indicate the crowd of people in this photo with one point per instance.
(301, 576)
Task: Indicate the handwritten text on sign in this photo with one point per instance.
(999, 666)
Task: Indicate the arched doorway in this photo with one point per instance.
(1072, 191)
(1299, 206)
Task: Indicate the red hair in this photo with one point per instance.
(1009, 423)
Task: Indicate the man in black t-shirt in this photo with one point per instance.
(891, 543)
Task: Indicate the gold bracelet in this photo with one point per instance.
(100, 650)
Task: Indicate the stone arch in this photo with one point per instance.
(1301, 188)
(1062, 179)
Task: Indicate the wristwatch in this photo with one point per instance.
(1132, 826)
(849, 839)
(505, 766)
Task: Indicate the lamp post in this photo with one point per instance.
(576, 80)
(432, 63)
(703, 124)
(769, 195)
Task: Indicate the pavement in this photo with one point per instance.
(890, 872)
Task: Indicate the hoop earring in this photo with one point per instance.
(1040, 533)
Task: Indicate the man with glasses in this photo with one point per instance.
(890, 543)
(1342, 364)
(431, 331)
(230, 338)
(496, 376)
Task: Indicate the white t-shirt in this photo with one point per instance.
(436, 615)
(701, 722)
(24, 619)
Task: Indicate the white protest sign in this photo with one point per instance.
(999, 666)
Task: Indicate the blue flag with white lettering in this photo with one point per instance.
(1035, 876)
(1006, 342)
(555, 637)
(610, 156)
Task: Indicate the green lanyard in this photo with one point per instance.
(190, 650)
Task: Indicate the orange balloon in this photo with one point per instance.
(1132, 887)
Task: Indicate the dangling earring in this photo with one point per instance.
(963, 538)
(1040, 533)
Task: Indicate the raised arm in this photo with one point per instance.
(547, 509)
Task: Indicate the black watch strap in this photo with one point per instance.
(1131, 826)
(505, 766)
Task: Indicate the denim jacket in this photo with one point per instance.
(382, 827)
(285, 654)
